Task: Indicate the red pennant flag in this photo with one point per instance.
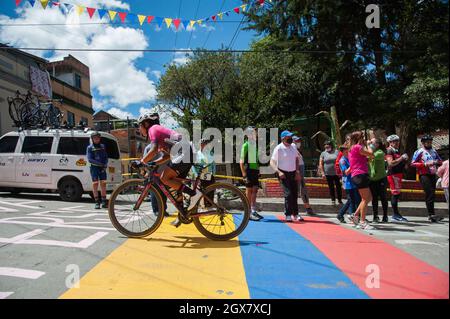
(150, 19)
(261, 2)
(177, 22)
(122, 16)
(55, 4)
(18, 2)
(236, 10)
(214, 18)
(91, 12)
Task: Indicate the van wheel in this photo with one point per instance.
(70, 190)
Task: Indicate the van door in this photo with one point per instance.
(7, 159)
(35, 163)
(114, 171)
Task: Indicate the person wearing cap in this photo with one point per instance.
(302, 185)
(285, 161)
(328, 170)
(98, 159)
(249, 164)
(396, 163)
(426, 160)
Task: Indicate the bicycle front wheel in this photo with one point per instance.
(224, 212)
(129, 220)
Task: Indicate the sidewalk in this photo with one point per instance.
(323, 206)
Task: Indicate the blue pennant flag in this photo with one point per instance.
(32, 2)
(65, 7)
(132, 18)
(185, 24)
(101, 12)
(158, 21)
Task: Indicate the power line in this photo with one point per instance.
(214, 50)
(196, 14)
(209, 32)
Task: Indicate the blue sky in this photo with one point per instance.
(152, 64)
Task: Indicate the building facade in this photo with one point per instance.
(14, 76)
(71, 83)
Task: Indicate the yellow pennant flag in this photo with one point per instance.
(168, 21)
(199, 22)
(141, 18)
(44, 3)
(243, 7)
(112, 14)
(220, 15)
(191, 23)
(80, 10)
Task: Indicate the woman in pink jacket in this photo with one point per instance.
(443, 174)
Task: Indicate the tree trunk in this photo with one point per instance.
(408, 144)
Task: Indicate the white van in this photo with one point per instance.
(54, 160)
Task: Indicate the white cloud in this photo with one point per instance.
(113, 74)
(181, 58)
(156, 74)
(165, 115)
(120, 113)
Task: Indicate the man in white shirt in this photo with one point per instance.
(285, 161)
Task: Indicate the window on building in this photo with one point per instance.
(37, 144)
(77, 81)
(84, 120)
(73, 145)
(70, 118)
(8, 144)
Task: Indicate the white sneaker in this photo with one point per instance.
(289, 218)
(298, 218)
(194, 200)
(364, 226)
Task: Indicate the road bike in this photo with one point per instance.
(221, 212)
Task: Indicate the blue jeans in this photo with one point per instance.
(353, 200)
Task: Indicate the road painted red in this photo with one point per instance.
(402, 276)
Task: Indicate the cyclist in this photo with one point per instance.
(163, 139)
(396, 165)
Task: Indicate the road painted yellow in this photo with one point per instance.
(172, 263)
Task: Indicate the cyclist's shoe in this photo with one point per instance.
(177, 223)
(97, 205)
(385, 219)
(257, 215)
(435, 219)
(254, 218)
(104, 203)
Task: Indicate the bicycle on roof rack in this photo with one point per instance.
(221, 213)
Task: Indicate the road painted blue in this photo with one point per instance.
(279, 263)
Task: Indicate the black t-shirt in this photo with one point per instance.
(395, 154)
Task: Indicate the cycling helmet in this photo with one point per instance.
(392, 138)
(426, 137)
(152, 117)
(95, 133)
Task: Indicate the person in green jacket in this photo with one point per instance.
(378, 179)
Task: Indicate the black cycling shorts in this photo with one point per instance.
(361, 181)
(252, 177)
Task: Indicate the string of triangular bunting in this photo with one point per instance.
(124, 16)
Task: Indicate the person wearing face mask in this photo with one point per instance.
(426, 160)
(328, 170)
(285, 162)
(302, 185)
(378, 180)
(396, 165)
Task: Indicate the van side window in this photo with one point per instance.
(8, 144)
(111, 148)
(37, 144)
(73, 145)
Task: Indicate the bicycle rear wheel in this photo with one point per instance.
(226, 216)
(135, 222)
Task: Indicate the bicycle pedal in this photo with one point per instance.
(177, 223)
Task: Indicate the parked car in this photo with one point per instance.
(54, 160)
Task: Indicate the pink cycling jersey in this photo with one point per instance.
(157, 134)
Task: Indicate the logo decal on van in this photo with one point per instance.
(41, 175)
(37, 160)
(81, 162)
(25, 175)
(63, 161)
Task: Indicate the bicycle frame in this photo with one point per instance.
(153, 179)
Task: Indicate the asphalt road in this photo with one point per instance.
(47, 245)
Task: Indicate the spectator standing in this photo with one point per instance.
(353, 198)
(426, 160)
(328, 170)
(378, 179)
(303, 191)
(285, 162)
(205, 158)
(98, 158)
(443, 174)
(396, 163)
(249, 164)
(358, 155)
